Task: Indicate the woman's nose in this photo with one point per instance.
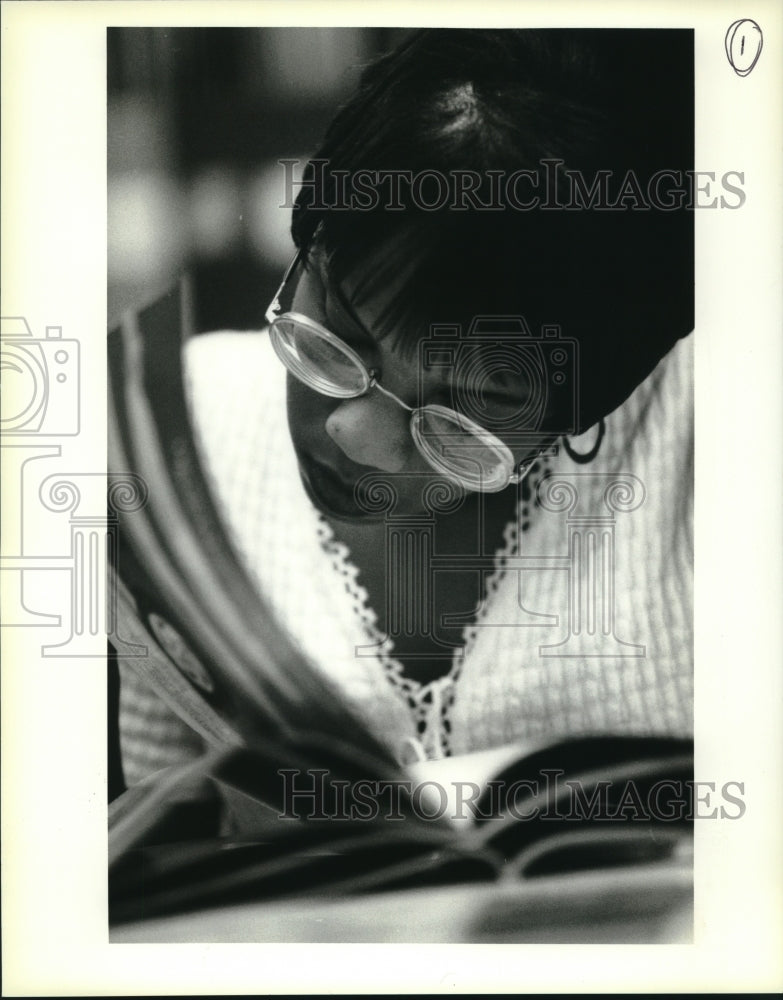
(371, 430)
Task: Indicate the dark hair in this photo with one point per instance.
(463, 100)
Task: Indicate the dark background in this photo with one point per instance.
(197, 119)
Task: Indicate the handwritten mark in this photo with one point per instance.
(744, 42)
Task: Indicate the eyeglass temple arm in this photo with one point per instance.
(526, 464)
(522, 470)
(274, 308)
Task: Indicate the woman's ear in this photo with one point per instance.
(582, 457)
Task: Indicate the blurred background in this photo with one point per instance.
(198, 119)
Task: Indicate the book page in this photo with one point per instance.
(456, 780)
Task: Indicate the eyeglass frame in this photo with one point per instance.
(515, 471)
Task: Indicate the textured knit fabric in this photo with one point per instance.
(614, 535)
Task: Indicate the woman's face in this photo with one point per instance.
(339, 441)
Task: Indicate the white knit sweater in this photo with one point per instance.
(534, 665)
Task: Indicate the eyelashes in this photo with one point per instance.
(315, 298)
(490, 398)
(340, 325)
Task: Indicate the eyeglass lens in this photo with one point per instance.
(447, 443)
(317, 361)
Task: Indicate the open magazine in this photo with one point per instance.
(295, 795)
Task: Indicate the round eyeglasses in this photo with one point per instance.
(451, 443)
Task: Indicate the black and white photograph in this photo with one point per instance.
(396, 584)
(426, 497)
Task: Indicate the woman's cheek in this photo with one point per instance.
(308, 412)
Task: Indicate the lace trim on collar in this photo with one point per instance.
(430, 704)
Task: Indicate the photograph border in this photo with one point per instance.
(54, 712)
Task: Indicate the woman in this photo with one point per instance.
(494, 258)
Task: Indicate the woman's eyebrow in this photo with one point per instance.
(492, 394)
(474, 388)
